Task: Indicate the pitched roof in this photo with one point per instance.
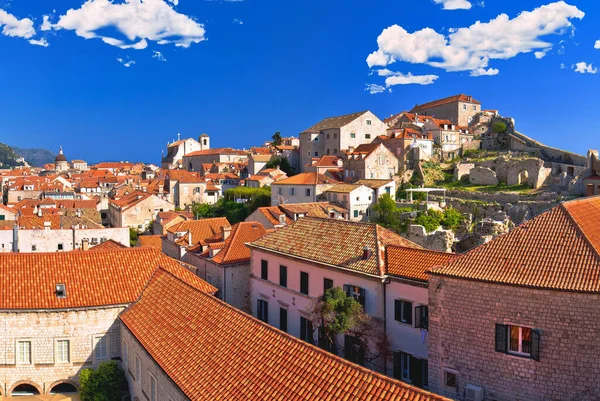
(152, 241)
(312, 209)
(229, 355)
(234, 249)
(456, 98)
(272, 214)
(217, 151)
(343, 188)
(201, 229)
(306, 179)
(107, 245)
(373, 183)
(413, 263)
(334, 242)
(335, 122)
(365, 148)
(556, 250)
(108, 277)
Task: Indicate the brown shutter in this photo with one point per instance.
(535, 345)
(501, 338)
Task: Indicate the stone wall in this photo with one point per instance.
(462, 169)
(439, 240)
(462, 318)
(43, 329)
(482, 176)
(139, 385)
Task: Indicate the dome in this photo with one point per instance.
(60, 157)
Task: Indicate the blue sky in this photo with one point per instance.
(88, 77)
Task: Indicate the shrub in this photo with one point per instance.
(452, 218)
(106, 383)
(431, 220)
(499, 127)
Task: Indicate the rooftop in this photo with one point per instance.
(456, 98)
(235, 249)
(557, 250)
(229, 355)
(306, 179)
(413, 263)
(335, 122)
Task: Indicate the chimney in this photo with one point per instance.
(225, 232)
(189, 233)
(39, 212)
(78, 213)
(85, 244)
(366, 253)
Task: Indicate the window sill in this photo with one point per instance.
(519, 356)
(405, 324)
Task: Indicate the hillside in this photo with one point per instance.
(36, 157)
(8, 158)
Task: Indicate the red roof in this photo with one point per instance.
(234, 249)
(212, 351)
(446, 100)
(306, 179)
(413, 263)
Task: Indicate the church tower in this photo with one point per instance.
(204, 140)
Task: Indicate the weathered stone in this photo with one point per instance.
(483, 176)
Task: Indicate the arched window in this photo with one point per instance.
(25, 389)
(63, 388)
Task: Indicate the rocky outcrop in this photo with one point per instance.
(439, 240)
(483, 176)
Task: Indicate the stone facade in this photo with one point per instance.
(43, 329)
(462, 169)
(380, 164)
(482, 176)
(439, 240)
(139, 379)
(460, 110)
(140, 214)
(462, 318)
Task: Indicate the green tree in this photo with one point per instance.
(335, 313)
(386, 213)
(202, 210)
(431, 220)
(106, 383)
(283, 164)
(133, 236)
(452, 218)
(276, 139)
(499, 127)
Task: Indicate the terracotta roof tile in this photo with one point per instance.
(211, 350)
(108, 277)
(306, 179)
(446, 100)
(152, 241)
(335, 122)
(413, 263)
(235, 249)
(334, 242)
(107, 245)
(556, 250)
(201, 230)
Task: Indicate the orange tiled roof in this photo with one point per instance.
(201, 229)
(334, 242)
(109, 277)
(306, 179)
(335, 122)
(446, 100)
(235, 249)
(272, 214)
(152, 241)
(108, 245)
(228, 355)
(556, 250)
(413, 263)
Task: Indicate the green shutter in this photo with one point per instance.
(398, 310)
(421, 317)
(535, 344)
(408, 312)
(501, 338)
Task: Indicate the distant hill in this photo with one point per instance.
(8, 158)
(36, 157)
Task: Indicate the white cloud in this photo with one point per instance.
(472, 48)
(46, 24)
(562, 66)
(398, 78)
(39, 42)
(237, 21)
(12, 26)
(374, 88)
(139, 21)
(126, 63)
(597, 44)
(584, 68)
(159, 56)
(479, 72)
(454, 4)
(540, 54)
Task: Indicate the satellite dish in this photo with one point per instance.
(280, 200)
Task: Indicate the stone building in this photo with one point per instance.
(357, 199)
(60, 161)
(272, 217)
(333, 135)
(517, 318)
(300, 188)
(192, 235)
(182, 147)
(137, 210)
(402, 141)
(60, 313)
(459, 109)
(194, 161)
(591, 181)
(369, 161)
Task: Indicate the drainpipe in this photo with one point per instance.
(385, 282)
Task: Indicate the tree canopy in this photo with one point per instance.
(277, 139)
(236, 204)
(106, 383)
(283, 164)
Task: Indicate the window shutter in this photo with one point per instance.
(347, 290)
(397, 310)
(501, 338)
(535, 345)
(408, 312)
(421, 317)
(362, 299)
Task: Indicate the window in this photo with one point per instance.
(356, 213)
(283, 319)
(24, 352)
(61, 247)
(262, 310)
(283, 276)
(474, 108)
(403, 311)
(327, 284)
(326, 343)
(410, 369)
(292, 191)
(352, 135)
(100, 346)
(264, 269)
(355, 292)
(138, 369)
(125, 355)
(334, 151)
(316, 140)
(62, 351)
(518, 340)
(327, 150)
(464, 106)
(279, 191)
(334, 136)
(152, 388)
(33, 248)
(368, 122)
(307, 192)
(304, 283)
(354, 351)
(450, 380)
(422, 317)
(306, 330)
(327, 136)
(367, 136)
(316, 153)
(309, 153)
